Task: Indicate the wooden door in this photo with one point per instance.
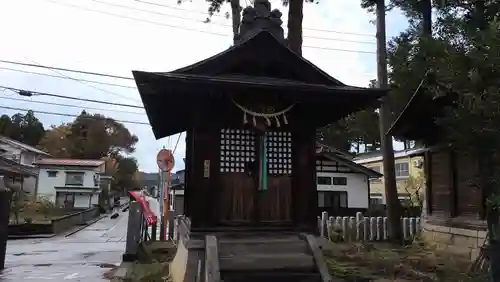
(275, 200)
(242, 196)
(236, 186)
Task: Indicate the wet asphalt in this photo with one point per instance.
(83, 256)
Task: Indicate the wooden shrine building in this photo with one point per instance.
(250, 115)
(451, 199)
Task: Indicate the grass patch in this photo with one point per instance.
(141, 272)
(385, 262)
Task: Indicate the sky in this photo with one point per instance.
(118, 36)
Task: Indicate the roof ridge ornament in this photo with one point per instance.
(259, 18)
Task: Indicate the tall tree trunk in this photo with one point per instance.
(391, 191)
(236, 17)
(426, 17)
(295, 17)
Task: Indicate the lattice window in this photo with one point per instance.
(279, 153)
(237, 148)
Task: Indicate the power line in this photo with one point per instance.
(68, 105)
(64, 77)
(29, 93)
(192, 29)
(206, 14)
(68, 70)
(90, 85)
(177, 143)
(220, 24)
(70, 115)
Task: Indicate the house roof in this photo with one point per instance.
(376, 156)
(350, 164)
(70, 162)
(12, 167)
(21, 145)
(321, 147)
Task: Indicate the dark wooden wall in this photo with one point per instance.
(206, 199)
(451, 192)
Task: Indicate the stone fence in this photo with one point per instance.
(56, 226)
(361, 228)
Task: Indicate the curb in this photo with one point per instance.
(87, 224)
(37, 236)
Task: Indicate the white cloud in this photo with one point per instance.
(51, 33)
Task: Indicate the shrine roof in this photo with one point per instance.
(255, 67)
(417, 120)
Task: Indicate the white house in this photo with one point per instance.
(70, 183)
(343, 185)
(24, 155)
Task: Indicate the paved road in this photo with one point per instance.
(84, 256)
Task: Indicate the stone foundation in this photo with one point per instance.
(462, 242)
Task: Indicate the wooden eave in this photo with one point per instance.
(181, 95)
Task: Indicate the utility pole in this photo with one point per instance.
(391, 191)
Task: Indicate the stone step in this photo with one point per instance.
(226, 249)
(290, 244)
(267, 261)
(270, 277)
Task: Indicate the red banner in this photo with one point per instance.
(146, 210)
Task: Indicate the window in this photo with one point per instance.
(324, 180)
(74, 178)
(332, 199)
(339, 181)
(376, 199)
(52, 173)
(402, 169)
(378, 169)
(28, 159)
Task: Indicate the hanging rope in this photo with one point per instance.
(267, 117)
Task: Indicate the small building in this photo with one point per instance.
(70, 183)
(410, 177)
(25, 156)
(250, 114)
(454, 210)
(343, 185)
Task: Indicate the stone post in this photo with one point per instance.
(133, 232)
(4, 223)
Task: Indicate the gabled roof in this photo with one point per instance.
(253, 68)
(21, 146)
(237, 59)
(70, 162)
(322, 147)
(350, 164)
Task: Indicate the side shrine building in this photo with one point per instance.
(250, 114)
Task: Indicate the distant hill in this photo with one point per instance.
(149, 178)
